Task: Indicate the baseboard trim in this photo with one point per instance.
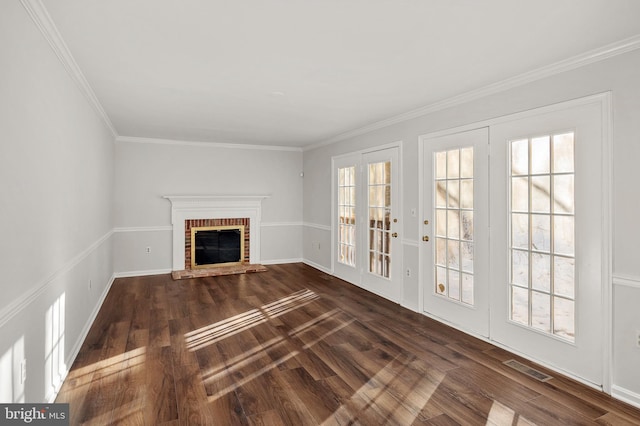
(317, 266)
(515, 351)
(280, 261)
(129, 274)
(625, 395)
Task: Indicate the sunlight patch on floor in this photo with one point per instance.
(284, 343)
(213, 333)
(388, 391)
(108, 368)
(500, 414)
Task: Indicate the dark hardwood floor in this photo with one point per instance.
(296, 346)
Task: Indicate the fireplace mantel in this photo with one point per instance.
(213, 198)
(185, 207)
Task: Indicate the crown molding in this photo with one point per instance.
(201, 144)
(590, 57)
(43, 21)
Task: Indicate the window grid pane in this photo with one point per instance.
(542, 234)
(453, 197)
(347, 215)
(379, 206)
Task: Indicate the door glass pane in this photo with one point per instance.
(441, 251)
(379, 203)
(466, 163)
(540, 271)
(466, 193)
(467, 289)
(540, 194)
(466, 225)
(453, 164)
(453, 224)
(520, 305)
(539, 148)
(520, 268)
(520, 194)
(563, 153)
(563, 193)
(542, 230)
(466, 256)
(520, 157)
(453, 189)
(520, 231)
(453, 193)
(563, 317)
(441, 193)
(441, 223)
(563, 276)
(541, 311)
(346, 215)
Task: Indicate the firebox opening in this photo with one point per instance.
(217, 246)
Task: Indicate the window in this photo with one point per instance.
(454, 224)
(542, 236)
(347, 215)
(380, 218)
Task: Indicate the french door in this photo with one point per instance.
(548, 238)
(456, 229)
(523, 260)
(367, 248)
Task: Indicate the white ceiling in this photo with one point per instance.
(299, 72)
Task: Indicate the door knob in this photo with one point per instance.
(394, 235)
(425, 238)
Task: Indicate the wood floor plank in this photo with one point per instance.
(160, 396)
(295, 346)
(318, 399)
(354, 407)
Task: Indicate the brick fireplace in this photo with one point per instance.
(199, 223)
(214, 210)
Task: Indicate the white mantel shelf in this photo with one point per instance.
(218, 206)
(201, 198)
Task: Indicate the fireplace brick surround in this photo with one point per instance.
(189, 223)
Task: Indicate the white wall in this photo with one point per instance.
(57, 186)
(145, 172)
(56, 189)
(619, 75)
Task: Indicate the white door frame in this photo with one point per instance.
(605, 102)
(334, 222)
(475, 316)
